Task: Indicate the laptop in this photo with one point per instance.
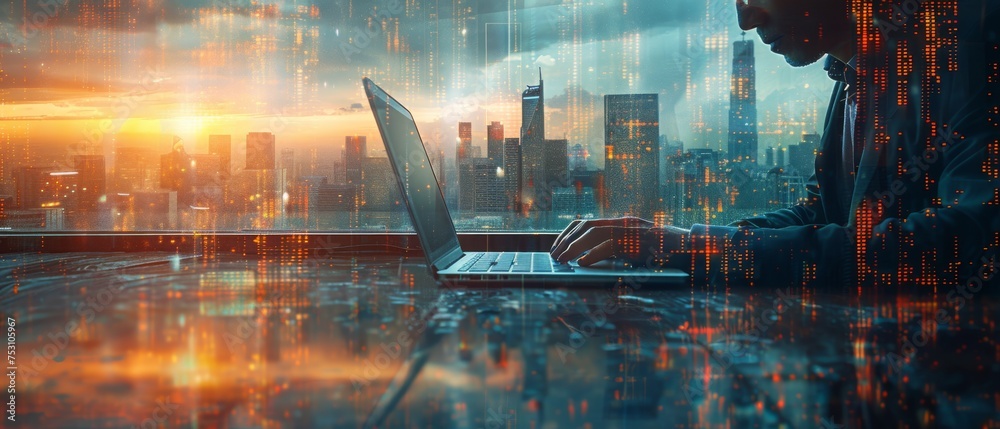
(436, 230)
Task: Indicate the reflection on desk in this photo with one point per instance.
(116, 340)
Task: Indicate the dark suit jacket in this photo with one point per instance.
(925, 208)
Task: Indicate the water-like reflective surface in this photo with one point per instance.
(123, 340)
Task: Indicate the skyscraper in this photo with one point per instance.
(378, 193)
(494, 143)
(289, 165)
(802, 157)
(464, 149)
(466, 173)
(533, 147)
(222, 145)
(260, 151)
(512, 173)
(355, 152)
(467, 184)
(743, 105)
(176, 173)
(207, 169)
(489, 187)
(706, 93)
(579, 157)
(45, 187)
(632, 130)
(136, 169)
(556, 162)
(92, 180)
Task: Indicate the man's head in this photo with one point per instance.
(801, 30)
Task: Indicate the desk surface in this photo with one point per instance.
(115, 340)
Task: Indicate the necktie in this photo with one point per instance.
(841, 72)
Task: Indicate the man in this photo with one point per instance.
(906, 185)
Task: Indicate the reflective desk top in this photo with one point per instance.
(147, 339)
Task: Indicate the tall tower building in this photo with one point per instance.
(176, 173)
(708, 44)
(743, 105)
(512, 173)
(136, 169)
(533, 172)
(92, 180)
(579, 157)
(464, 149)
(260, 151)
(631, 144)
(489, 187)
(533, 109)
(494, 143)
(355, 152)
(36, 188)
(222, 145)
(557, 162)
(289, 165)
(467, 184)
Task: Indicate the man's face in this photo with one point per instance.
(800, 30)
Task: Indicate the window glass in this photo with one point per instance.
(231, 115)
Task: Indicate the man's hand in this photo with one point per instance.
(634, 240)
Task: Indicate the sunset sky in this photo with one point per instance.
(196, 67)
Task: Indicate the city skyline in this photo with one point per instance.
(505, 165)
(239, 71)
(267, 191)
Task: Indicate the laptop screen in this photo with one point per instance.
(413, 169)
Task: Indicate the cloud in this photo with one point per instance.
(545, 60)
(128, 15)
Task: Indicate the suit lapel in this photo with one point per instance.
(867, 169)
(830, 178)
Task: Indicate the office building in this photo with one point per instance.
(175, 170)
(494, 143)
(489, 187)
(802, 157)
(222, 146)
(574, 202)
(45, 187)
(632, 130)
(512, 173)
(355, 152)
(208, 170)
(463, 150)
(91, 181)
(289, 165)
(334, 197)
(260, 151)
(136, 169)
(533, 169)
(465, 167)
(556, 162)
(578, 158)
(378, 190)
(466, 184)
(743, 105)
(258, 196)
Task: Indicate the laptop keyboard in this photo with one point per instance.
(512, 262)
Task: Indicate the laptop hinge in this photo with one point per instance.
(447, 259)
